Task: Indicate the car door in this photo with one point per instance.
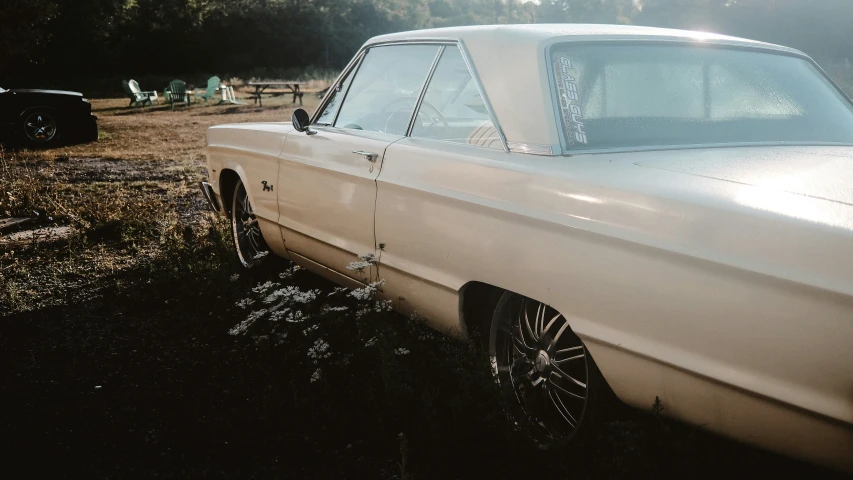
(327, 176)
(426, 215)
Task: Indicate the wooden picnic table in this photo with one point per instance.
(293, 86)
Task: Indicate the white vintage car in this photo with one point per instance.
(677, 206)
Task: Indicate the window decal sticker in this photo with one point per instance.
(569, 100)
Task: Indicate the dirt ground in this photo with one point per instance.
(117, 360)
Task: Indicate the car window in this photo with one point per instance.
(453, 109)
(336, 94)
(669, 95)
(385, 88)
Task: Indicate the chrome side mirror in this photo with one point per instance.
(302, 121)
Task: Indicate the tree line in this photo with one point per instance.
(108, 38)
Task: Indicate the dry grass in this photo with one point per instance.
(126, 196)
(161, 133)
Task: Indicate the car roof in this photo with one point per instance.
(536, 33)
(509, 61)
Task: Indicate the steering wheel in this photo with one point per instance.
(434, 119)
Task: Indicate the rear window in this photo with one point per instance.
(617, 95)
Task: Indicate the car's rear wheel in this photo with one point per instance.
(248, 241)
(549, 381)
(41, 128)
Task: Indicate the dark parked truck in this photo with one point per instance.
(46, 118)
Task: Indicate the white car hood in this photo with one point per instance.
(824, 173)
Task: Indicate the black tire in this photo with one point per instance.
(531, 364)
(41, 128)
(245, 232)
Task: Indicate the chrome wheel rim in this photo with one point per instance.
(40, 127)
(247, 232)
(542, 367)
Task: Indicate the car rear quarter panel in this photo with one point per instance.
(677, 291)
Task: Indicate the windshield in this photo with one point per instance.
(613, 96)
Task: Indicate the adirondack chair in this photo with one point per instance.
(137, 96)
(213, 85)
(177, 93)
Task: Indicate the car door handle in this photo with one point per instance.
(370, 156)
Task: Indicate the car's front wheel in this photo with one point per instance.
(41, 128)
(246, 232)
(549, 381)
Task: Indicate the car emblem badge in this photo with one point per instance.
(542, 361)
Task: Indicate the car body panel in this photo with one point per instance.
(330, 193)
(726, 410)
(653, 281)
(39, 91)
(718, 278)
(251, 150)
(645, 224)
(74, 114)
(816, 172)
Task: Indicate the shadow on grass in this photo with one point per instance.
(14, 144)
(201, 110)
(248, 108)
(143, 380)
(163, 107)
(125, 108)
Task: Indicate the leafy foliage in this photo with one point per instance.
(46, 41)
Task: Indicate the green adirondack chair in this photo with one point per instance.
(137, 96)
(213, 84)
(177, 93)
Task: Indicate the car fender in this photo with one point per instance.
(238, 169)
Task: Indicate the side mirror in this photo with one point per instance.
(301, 121)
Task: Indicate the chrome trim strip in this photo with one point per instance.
(829, 79)
(453, 142)
(421, 40)
(555, 101)
(654, 148)
(623, 37)
(350, 66)
(344, 93)
(323, 270)
(482, 92)
(532, 148)
(207, 190)
(421, 96)
(695, 41)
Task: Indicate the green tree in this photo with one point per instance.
(587, 11)
(24, 34)
(43, 39)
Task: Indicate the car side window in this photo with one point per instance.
(337, 95)
(386, 87)
(453, 109)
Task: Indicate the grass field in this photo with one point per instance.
(133, 347)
